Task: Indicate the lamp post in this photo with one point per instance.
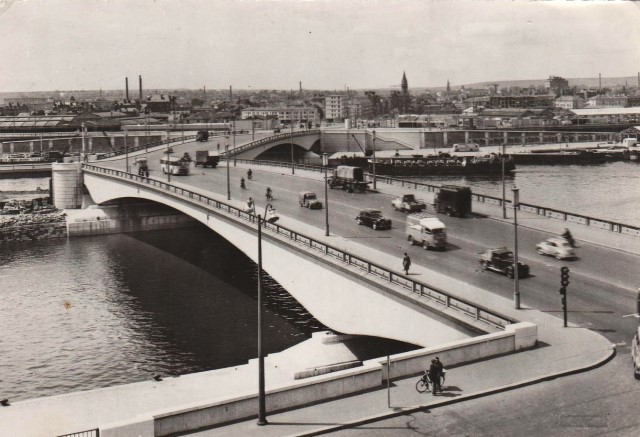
(226, 154)
(126, 152)
(233, 131)
(168, 167)
(504, 204)
(516, 284)
(325, 163)
(83, 149)
(293, 166)
(262, 413)
(374, 160)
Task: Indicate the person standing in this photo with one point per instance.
(406, 263)
(434, 376)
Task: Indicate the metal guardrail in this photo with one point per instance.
(144, 147)
(270, 139)
(275, 164)
(557, 214)
(88, 433)
(473, 311)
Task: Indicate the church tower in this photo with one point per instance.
(405, 98)
(448, 87)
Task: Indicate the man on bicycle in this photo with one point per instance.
(249, 174)
(269, 194)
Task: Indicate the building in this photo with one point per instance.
(619, 101)
(515, 118)
(557, 84)
(521, 101)
(607, 115)
(569, 102)
(333, 107)
(284, 115)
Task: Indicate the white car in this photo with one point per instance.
(556, 247)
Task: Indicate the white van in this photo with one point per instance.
(427, 231)
(635, 353)
(465, 147)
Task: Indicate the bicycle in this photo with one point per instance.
(269, 197)
(423, 383)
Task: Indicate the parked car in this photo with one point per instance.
(373, 218)
(500, 260)
(556, 247)
(309, 199)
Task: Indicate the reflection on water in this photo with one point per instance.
(98, 311)
(609, 191)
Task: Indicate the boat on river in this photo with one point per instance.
(573, 157)
(442, 165)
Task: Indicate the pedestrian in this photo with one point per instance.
(406, 263)
(434, 376)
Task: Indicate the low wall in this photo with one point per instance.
(29, 227)
(370, 375)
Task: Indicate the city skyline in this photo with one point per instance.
(73, 45)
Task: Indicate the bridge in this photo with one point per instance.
(373, 299)
(290, 145)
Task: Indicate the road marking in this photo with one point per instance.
(636, 315)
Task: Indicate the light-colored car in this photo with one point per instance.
(556, 247)
(635, 353)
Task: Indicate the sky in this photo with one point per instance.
(325, 44)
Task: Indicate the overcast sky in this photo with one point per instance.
(92, 44)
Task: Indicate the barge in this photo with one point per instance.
(442, 165)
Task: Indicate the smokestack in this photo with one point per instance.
(126, 86)
(638, 79)
(230, 94)
(599, 81)
(300, 87)
(140, 86)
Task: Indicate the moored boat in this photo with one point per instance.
(442, 165)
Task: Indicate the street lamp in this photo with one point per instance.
(83, 148)
(167, 166)
(226, 154)
(325, 163)
(126, 152)
(374, 160)
(504, 204)
(516, 285)
(270, 217)
(293, 166)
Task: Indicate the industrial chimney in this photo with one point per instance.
(126, 86)
(230, 94)
(140, 86)
(599, 81)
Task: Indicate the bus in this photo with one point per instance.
(175, 165)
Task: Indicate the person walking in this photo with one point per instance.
(406, 263)
(434, 376)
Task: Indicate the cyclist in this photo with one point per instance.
(242, 185)
(435, 370)
(269, 194)
(249, 174)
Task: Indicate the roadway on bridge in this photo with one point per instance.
(602, 291)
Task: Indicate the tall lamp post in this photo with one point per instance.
(270, 217)
(374, 160)
(167, 166)
(325, 163)
(226, 154)
(516, 284)
(293, 166)
(504, 204)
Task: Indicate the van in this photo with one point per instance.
(427, 231)
(465, 147)
(635, 353)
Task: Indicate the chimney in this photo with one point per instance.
(126, 86)
(140, 85)
(300, 83)
(599, 81)
(230, 94)
(639, 79)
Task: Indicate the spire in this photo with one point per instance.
(448, 86)
(404, 84)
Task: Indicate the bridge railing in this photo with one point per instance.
(88, 433)
(435, 295)
(552, 213)
(281, 136)
(275, 164)
(144, 146)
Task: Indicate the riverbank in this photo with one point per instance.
(29, 227)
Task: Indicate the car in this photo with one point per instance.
(408, 203)
(556, 247)
(500, 260)
(374, 218)
(635, 353)
(309, 199)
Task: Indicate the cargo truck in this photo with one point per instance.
(453, 200)
(207, 158)
(348, 178)
(426, 230)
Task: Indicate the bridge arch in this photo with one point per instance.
(345, 302)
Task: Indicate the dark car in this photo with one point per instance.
(500, 260)
(373, 218)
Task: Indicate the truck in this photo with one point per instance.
(348, 178)
(207, 158)
(408, 203)
(202, 135)
(453, 200)
(500, 260)
(426, 230)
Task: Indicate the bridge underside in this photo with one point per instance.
(344, 301)
(283, 152)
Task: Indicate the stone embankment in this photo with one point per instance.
(29, 227)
